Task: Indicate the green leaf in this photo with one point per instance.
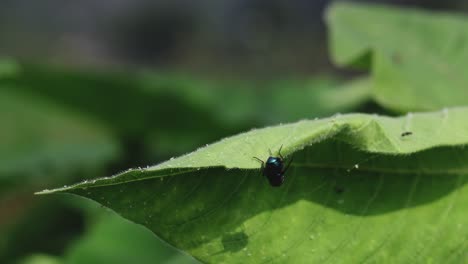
(357, 190)
(417, 58)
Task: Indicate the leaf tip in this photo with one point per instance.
(46, 191)
(56, 190)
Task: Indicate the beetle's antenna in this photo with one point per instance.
(279, 152)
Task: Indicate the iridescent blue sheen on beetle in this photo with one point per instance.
(273, 169)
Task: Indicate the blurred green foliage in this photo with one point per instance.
(417, 58)
(112, 239)
(61, 125)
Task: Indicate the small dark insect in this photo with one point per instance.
(407, 133)
(273, 169)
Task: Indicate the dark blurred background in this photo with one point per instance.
(145, 118)
(240, 36)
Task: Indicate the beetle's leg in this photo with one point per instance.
(261, 161)
(287, 166)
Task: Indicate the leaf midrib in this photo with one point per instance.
(348, 169)
(419, 171)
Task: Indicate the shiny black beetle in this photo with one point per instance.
(273, 169)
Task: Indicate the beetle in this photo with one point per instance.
(273, 168)
(406, 133)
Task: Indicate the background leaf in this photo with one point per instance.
(416, 58)
(312, 98)
(42, 144)
(41, 141)
(159, 113)
(352, 177)
(8, 67)
(135, 244)
(23, 231)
